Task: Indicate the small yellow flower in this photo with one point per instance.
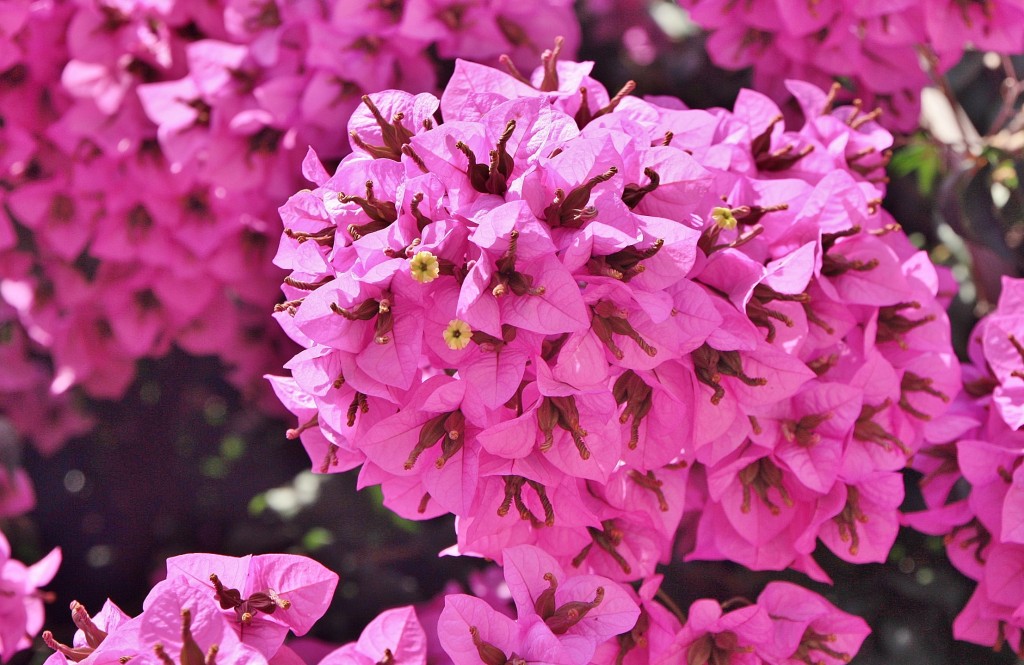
(457, 334)
(424, 267)
(724, 218)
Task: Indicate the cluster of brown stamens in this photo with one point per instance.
(631, 390)
(609, 320)
(710, 365)
(561, 412)
(607, 538)
(758, 477)
(514, 495)
(369, 309)
(849, 517)
(266, 602)
(448, 428)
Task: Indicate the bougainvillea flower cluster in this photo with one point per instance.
(209, 609)
(565, 618)
(973, 481)
(241, 613)
(571, 318)
(874, 48)
(145, 148)
(21, 601)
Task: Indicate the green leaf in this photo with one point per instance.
(316, 538)
(920, 157)
(232, 447)
(257, 505)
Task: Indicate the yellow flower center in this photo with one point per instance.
(424, 267)
(457, 335)
(724, 218)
